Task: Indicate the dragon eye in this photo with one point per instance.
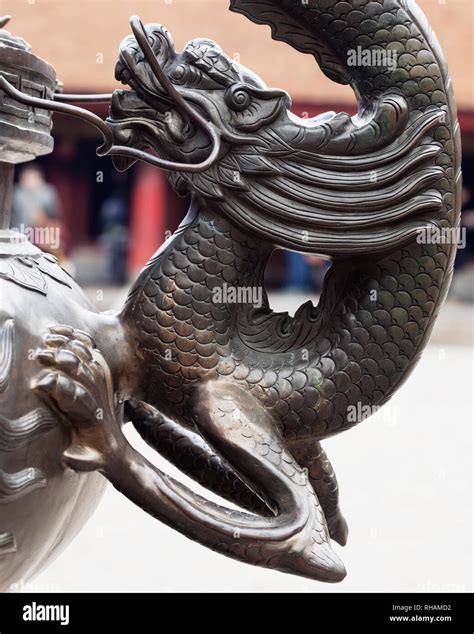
(179, 73)
(237, 98)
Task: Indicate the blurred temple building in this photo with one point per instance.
(80, 38)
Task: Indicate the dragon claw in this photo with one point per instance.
(45, 382)
(55, 340)
(46, 357)
(65, 331)
(78, 384)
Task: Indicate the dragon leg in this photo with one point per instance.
(190, 452)
(311, 455)
(77, 383)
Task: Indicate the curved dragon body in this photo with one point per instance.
(382, 295)
(239, 397)
(380, 300)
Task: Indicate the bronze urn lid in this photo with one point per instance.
(25, 132)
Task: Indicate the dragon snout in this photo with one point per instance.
(123, 103)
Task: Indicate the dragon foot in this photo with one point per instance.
(78, 384)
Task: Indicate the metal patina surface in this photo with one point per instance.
(237, 396)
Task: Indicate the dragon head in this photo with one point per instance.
(326, 185)
(329, 185)
(175, 100)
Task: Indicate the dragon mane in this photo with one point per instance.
(323, 202)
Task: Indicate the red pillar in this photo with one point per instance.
(148, 215)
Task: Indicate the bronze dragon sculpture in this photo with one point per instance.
(237, 396)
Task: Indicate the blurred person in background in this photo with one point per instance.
(114, 221)
(36, 211)
(304, 273)
(299, 277)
